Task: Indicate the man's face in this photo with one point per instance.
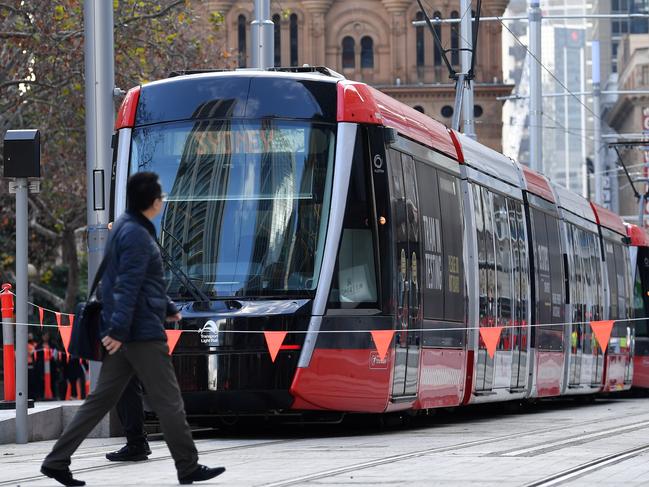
(157, 206)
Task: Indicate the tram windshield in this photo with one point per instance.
(247, 202)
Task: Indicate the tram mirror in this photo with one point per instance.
(389, 135)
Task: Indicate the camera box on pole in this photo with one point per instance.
(22, 154)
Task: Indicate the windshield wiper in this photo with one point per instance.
(177, 271)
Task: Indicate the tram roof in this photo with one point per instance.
(574, 203)
(639, 236)
(361, 103)
(488, 160)
(606, 218)
(536, 183)
(356, 102)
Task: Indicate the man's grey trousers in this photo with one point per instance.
(151, 362)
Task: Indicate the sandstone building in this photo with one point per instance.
(374, 41)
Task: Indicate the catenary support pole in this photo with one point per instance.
(100, 119)
(262, 36)
(466, 37)
(22, 191)
(536, 93)
(597, 128)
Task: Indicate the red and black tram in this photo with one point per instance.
(303, 202)
(639, 250)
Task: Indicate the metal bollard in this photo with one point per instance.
(9, 357)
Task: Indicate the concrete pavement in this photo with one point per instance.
(566, 443)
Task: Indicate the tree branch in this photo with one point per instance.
(12, 35)
(161, 13)
(57, 301)
(45, 232)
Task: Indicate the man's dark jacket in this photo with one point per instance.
(135, 303)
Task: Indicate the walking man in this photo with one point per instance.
(135, 306)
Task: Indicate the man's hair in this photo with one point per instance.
(142, 189)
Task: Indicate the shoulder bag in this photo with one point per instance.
(85, 340)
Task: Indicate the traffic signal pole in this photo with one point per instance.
(100, 119)
(262, 35)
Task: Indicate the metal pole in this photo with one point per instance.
(536, 90)
(459, 96)
(22, 190)
(100, 120)
(466, 38)
(262, 35)
(597, 128)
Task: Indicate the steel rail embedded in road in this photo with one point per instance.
(588, 467)
(414, 454)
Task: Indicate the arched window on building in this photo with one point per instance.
(419, 108)
(241, 29)
(278, 39)
(455, 39)
(293, 36)
(437, 56)
(349, 53)
(419, 36)
(367, 52)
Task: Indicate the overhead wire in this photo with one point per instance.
(540, 63)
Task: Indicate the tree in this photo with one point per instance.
(42, 85)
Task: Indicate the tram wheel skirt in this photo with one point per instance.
(240, 402)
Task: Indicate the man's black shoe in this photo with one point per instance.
(62, 476)
(130, 453)
(201, 473)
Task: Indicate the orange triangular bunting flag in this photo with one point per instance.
(71, 318)
(490, 337)
(66, 333)
(41, 312)
(172, 339)
(602, 330)
(274, 340)
(382, 339)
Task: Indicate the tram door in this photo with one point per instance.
(407, 272)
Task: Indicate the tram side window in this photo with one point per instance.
(503, 261)
(432, 258)
(542, 267)
(354, 283)
(547, 262)
(621, 272)
(524, 274)
(592, 282)
(556, 268)
(575, 271)
(451, 209)
(612, 280)
(596, 259)
(490, 257)
(516, 262)
(482, 253)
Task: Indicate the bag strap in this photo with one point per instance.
(98, 275)
(101, 269)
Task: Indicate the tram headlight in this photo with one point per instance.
(212, 370)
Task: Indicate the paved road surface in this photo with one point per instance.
(559, 443)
